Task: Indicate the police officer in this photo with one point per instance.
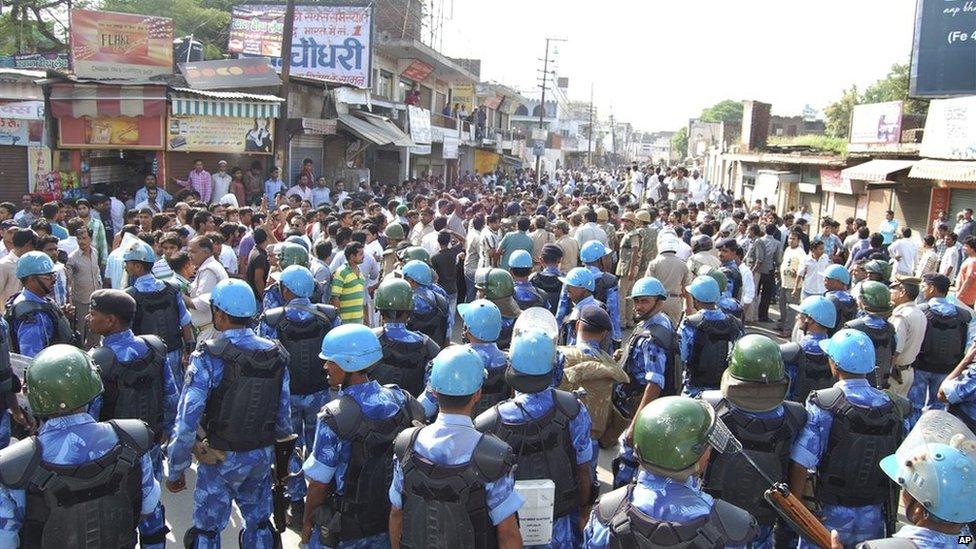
(406, 353)
(77, 483)
(353, 451)
(35, 320)
(837, 279)
(702, 254)
(498, 286)
(482, 327)
(9, 387)
(649, 248)
(728, 304)
(526, 294)
(300, 326)
(847, 426)
(806, 363)
(751, 403)
(548, 280)
(875, 303)
(452, 485)
(241, 415)
(549, 431)
(629, 262)
(578, 287)
(705, 338)
(394, 235)
(413, 253)
(430, 305)
(160, 310)
(288, 254)
(878, 271)
(593, 254)
(673, 438)
(672, 272)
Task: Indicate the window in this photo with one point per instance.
(403, 87)
(521, 111)
(384, 85)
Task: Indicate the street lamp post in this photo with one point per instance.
(542, 104)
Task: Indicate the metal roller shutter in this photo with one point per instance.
(958, 200)
(13, 173)
(878, 201)
(912, 208)
(302, 146)
(845, 205)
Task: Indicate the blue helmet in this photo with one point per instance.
(34, 263)
(520, 259)
(649, 287)
(838, 273)
(483, 319)
(140, 251)
(820, 309)
(532, 352)
(581, 277)
(592, 251)
(851, 350)
(704, 289)
(354, 347)
(457, 371)
(418, 271)
(940, 477)
(298, 279)
(234, 297)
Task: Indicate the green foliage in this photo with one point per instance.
(679, 142)
(206, 20)
(723, 111)
(827, 144)
(838, 113)
(893, 87)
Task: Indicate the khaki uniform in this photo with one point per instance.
(700, 259)
(597, 375)
(389, 261)
(674, 275)
(631, 252)
(648, 247)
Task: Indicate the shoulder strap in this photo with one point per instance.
(104, 358)
(216, 346)
(18, 462)
(737, 524)
(796, 414)
(404, 442)
(329, 311)
(156, 344)
(487, 421)
(342, 415)
(790, 351)
(828, 398)
(133, 433)
(613, 502)
(492, 458)
(567, 403)
(273, 316)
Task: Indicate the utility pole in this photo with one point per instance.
(282, 138)
(589, 137)
(542, 104)
(613, 140)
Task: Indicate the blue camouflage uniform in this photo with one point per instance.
(34, 333)
(961, 393)
(73, 439)
(330, 455)
(565, 530)
(7, 385)
(924, 391)
(525, 291)
(612, 307)
(423, 302)
(660, 498)
(809, 344)
(450, 440)
(148, 283)
(686, 342)
(128, 348)
(854, 524)
(493, 357)
(730, 306)
(304, 408)
(243, 476)
(272, 297)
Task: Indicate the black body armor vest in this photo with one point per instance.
(303, 341)
(710, 349)
(157, 314)
(403, 363)
(135, 389)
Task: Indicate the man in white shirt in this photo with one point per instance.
(590, 230)
(302, 190)
(950, 258)
(221, 181)
(488, 246)
(209, 273)
(320, 193)
(905, 252)
(748, 295)
(811, 272)
(910, 324)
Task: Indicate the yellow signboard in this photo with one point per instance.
(220, 134)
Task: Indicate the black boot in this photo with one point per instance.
(296, 514)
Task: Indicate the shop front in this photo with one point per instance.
(888, 187)
(377, 142)
(24, 137)
(954, 190)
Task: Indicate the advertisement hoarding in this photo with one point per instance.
(944, 49)
(463, 94)
(876, 123)
(950, 129)
(107, 45)
(222, 134)
(111, 132)
(230, 73)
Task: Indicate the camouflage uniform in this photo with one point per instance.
(631, 252)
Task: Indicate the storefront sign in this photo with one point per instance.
(463, 94)
(22, 110)
(120, 45)
(230, 73)
(111, 132)
(419, 125)
(56, 61)
(832, 181)
(420, 150)
(876, 123)
(939, 203)
(450, 147)
(331, 43)
(39, 169)
(417, 70)
(222, 134)
(950, 129)
(944, 49)
(510, 105)
(21, 132)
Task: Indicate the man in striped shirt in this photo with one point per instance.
(349, 286)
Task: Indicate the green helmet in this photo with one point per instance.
(875, 266)
(61, 378)
(717, 274)
(414, 252)
(290, 254)
(756, 359)
(496, 283)
(394, 294)
(672, 433)
(394, 231)
(875, 297)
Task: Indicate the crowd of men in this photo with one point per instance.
(302, 351)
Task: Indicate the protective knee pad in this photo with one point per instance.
(263, 525)
(190, 538)
(157, 537)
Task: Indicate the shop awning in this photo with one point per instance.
(20, 85)
(401, 139)
(876, 170)
(375, 130)
(944, 170)
(77, 100)
(189, 102)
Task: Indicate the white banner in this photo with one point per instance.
(450, 147)
(876, 123)
(950, 129)
(419, 125)
(22, 110)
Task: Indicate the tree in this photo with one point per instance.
(679, 142)
(838, 113)
(894, 87)
(723, 111)
(28, 26)
(206, 20)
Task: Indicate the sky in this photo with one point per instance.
(657, 63)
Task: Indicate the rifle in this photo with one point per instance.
(283, 450)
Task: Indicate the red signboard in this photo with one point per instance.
(417, 70)
(832, 181)
(939, 203)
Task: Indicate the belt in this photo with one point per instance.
(674, 295)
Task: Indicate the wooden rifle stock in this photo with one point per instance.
(797, 515)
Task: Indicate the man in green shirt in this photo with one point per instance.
(95, 228)
(349, 286)
(516, 240)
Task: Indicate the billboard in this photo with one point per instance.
(944, 50)
(111, 132)
(108, 45)
(331, 43)
(464, 95)
(419, 125)
(876, 123)
(950, 129)
(223, 134)
(230, 73)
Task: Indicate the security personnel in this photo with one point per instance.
(629, 262)
(300, 326)
(353, 453)
(498, 286)
(593, 255)
(702, 254)
(482, 327)
(878, 271)
(526, 294)
(413, 253)
(578, 288)
(549, 431)
(406, 353)
(160, 310)
(848, 425)
(138, 385)
(452, 485)
(649, 248)
(706, 338)
(394, 235)
(10, 385)
(727, 255)
(430, 307)
(77, 483)
(728, 304)
(549, 279)
(288, 253)
(603, 221)
(875, 302)
(673, 438)
(673, 273)
(806, 363)
(35, 321)
(241, 415)
(751, 403)
(837, 280)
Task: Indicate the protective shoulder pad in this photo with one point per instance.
(567, 403)
(104, 358)
(829, 398)
(328, 311)
(404, 441)
(789, 351)
(131, 290)
(796, 414)
(156, 344)
(613, 502)
(216, 346)
(739, 526)
(26, 308)
(966, 315)
(492, 458)
(855, 323)
(695, 320)
(18, 461)
(433, 349)
(487, 421)
(133, 433)
(663, 336)
(342, 415)
(415, 409)
(902, 404)
(888, 543)
(714, 399)
(273, 316)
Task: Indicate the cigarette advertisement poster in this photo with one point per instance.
(222, 134)
(107, 45)
(111, 132)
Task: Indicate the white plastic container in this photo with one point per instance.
(535, 516)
